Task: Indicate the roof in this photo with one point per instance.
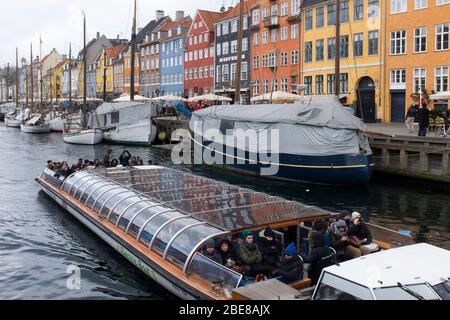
(62, 63)
(209, 17)
(149, 28)
(412, 264)
(185, 23)
(234, 12)
(309, 3)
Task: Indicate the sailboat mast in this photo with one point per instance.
(31, 78)
(70, 73)
(26, 84)
(104, 74)
(84, 73)
(237, 98)
(337, 73)
(40, 73)
(133, 53)
(7, 83)
(17, 78)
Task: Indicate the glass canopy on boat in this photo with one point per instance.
(174, 212)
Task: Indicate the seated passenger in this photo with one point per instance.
(344, 246)
(251, 257)
(270, 248)
(321, 256)
(114, 163)
(50, 165)
(360, 234)
(290, 266)
(346, 216)
(230, 258)
(65, 171)
(210, 252)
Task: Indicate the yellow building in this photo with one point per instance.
(362, 52)
(107, 54)
(57, 80)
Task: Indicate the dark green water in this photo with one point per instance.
(39, 240)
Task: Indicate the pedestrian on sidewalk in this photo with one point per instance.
(424, 120)
(411, 115)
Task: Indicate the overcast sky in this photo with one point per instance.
(60, 21)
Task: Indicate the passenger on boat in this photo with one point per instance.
(347, 217)
(345, 247)
(65, 171)
(230, 258)
(86, 163)
(210, 252)
(114, 163)
(133, 161)
(50, 165)
(107, 157)
(125, 158)
(140, 162)
(320, 226)
(360, 233)
(290, 266)
(80, 163)
(270, 249)
(321, 256)
(251, 257)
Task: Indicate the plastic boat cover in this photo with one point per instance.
(320, 128)
(116, 113)
(33, 121)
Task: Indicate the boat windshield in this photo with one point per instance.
(406, 292)
(443, 290)
(333, 287)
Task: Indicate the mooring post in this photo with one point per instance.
(423, 161)
(403, 160)
(445, 163)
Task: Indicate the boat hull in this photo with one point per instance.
(141, 133)
(35, 129)
(85, 137)
(153, 270)
(13, 123)
(346, 169)
(56, 125)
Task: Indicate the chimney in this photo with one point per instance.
(118, 37)
(98, 35)
(222, 9)
(179, 15)
(159, 14)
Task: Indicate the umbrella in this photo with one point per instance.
(441, 96)
(210, 97)
(127, 98)
(277, 95)
(169, 98)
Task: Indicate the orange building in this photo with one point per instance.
(127, 71)
(275, 46)
(418, 53)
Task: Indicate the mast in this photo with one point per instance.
(26, 84)
(104, 74)
(337, 73)
(40, 74)
(17, 78)
(83, 124)
(237, 98)
(7, 83)
(70, 73)
(133, 53)
(31, 78)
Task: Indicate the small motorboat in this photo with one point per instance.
(36, 124)
(84, 137)
(15, 120)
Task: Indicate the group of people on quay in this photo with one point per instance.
(419, 112)
(259, 255)
(62, 169)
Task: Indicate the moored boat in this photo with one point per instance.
(83, 137)
(35, 125)
(160, 218)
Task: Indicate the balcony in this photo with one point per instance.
(293, 18)
(254, 27)
(272, 22)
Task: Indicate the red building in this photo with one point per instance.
(199, 55)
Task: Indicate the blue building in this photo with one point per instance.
(172, 47)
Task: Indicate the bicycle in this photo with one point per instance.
(441, 132)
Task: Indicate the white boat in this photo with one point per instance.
(84, 137)
(35, 125)
(10, 120)
(56, 124)
(126, 122)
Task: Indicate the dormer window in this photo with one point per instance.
(179, 30)
(170, 32)
(159, 34)
(153, 37)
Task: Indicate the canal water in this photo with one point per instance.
(42, 247)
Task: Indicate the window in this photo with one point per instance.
(284, 8)
(373, 8)
(205, 37)
(373, 42)
(233, 46)
(218, 30)
(200, 38)
(234, 25)
(195, 73)
(330, 83)
(331, 48)
(358, 45)
(255, 62)
(244, 44)
(284, 33)
(274, 10)
(245, 23)
(331, 14)
(190, 41)
(225, 28)
(225, 73)
(308, 20)
(419, 79)
(441, 79)
(255, 17)
(319, 50)
(319, 84)
(225, 47)
(442, 36)
(308, 51)
(244, 71)
(343, 83)
(256, 38)
(294, 31)
(274, 35)
(211, 52)
(200, 73)
(186, 56)
(265, 37)
(294, 57)
(358, 9)
(195, 39)
(398, 42)
(398, 6)
(344, 47)
(265, 13)
(200, 24)
(344, 12)
(275, 85)
(295, 7)
(284, 85)
(284, 58)
(219, 49)
(420, 4)
(218, 74)
(206, 53)
(420, 39)
(319, 17)
(256, 88)
(195, 55)
(308, 83)
(186, 74)
(191, 56)
(398, 76)
(441, 2)
(200, 54)
(265, 86)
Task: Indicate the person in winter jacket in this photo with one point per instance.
(321, 256)
(230, 257)
(270, 248)
(345, 247)
(290, 266)
(360, 234)
(251, 257)
(210, 251)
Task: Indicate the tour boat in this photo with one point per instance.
(35, 125)
(83, 137)
(159, 218)
(320, 141)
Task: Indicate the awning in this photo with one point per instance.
(169, 98)
(210, 97)
(441, 96)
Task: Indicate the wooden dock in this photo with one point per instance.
(416, 157)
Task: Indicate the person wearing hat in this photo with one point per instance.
(270, 249)
(342, 243)
(250, 255)
(347, 217)
(360, 235)
(230, 258)
(210, 251)
(290, 266)
(321, 256)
